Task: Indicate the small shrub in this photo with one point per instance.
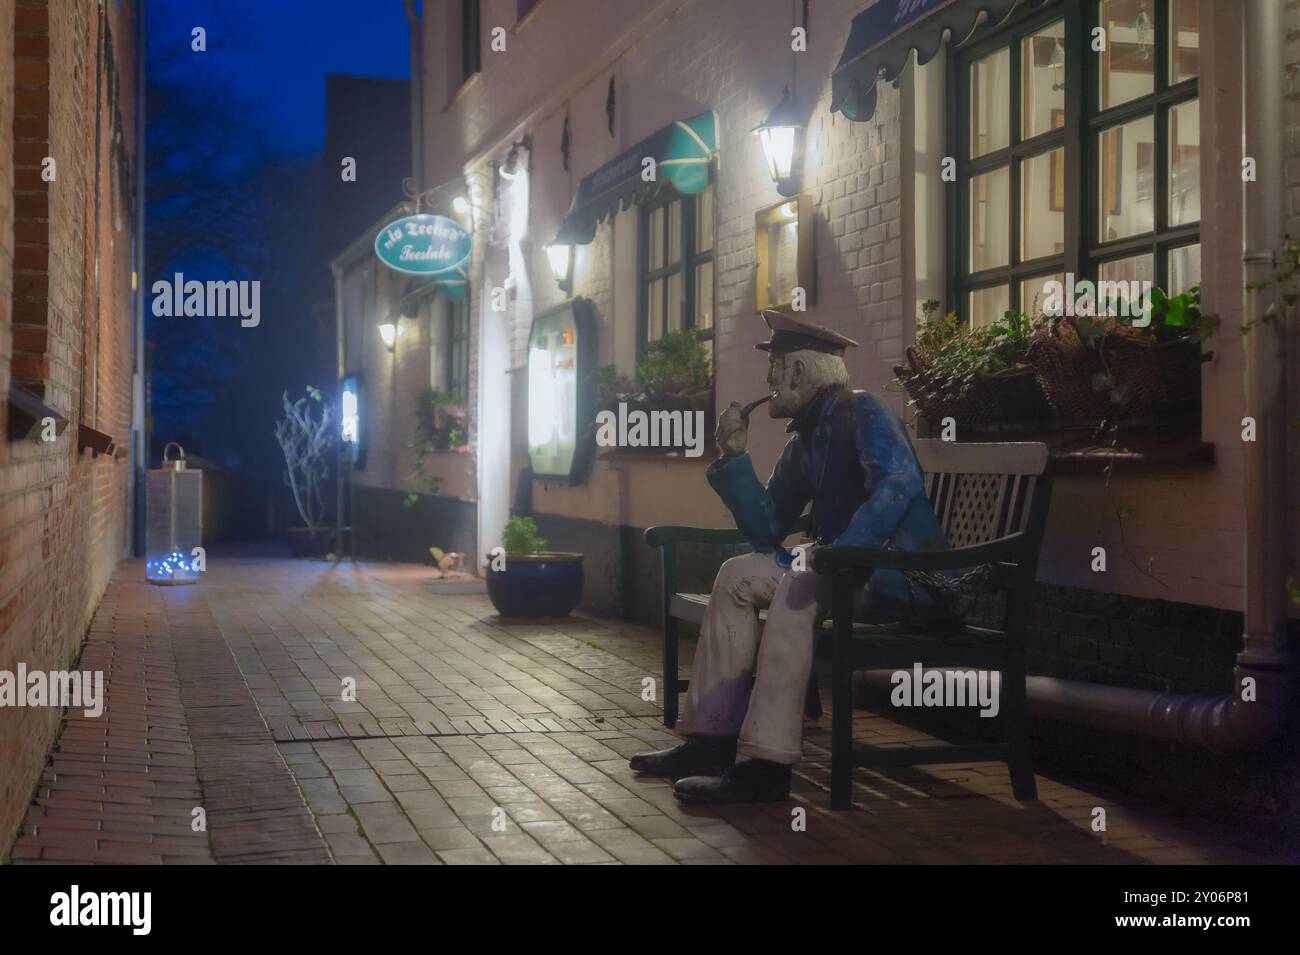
(677, 364)
(520, 538)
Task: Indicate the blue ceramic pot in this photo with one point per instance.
(540, 585)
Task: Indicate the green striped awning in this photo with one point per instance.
(883, 36)
(682, 152)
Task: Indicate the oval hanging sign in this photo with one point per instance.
(423, 244)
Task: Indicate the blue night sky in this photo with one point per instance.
(277, 53)
(233, 190)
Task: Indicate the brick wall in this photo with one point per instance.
(67, 333)
(1291, 194)
(31, 144)
(6, 229)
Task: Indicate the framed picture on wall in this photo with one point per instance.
(783, 246)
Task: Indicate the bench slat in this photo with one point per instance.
(1004, 457)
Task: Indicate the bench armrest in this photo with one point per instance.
(681, 534)
(1011, 549)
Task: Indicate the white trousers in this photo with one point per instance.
(719, 702)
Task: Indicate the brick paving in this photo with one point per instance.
(470, 741)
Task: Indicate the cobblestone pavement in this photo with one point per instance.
(472, 741)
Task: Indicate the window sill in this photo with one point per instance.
(527, 18)
(461, 91)
(27, 411)
(89, 439)
(616, 457)
(1085, 453)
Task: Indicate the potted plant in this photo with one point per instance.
(677, 372)
(305, 440)
(528, 581)
(674, 374)
(978, 376)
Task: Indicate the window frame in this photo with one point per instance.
(1084, 252)
(457, 334)
(1165, 96)
(691, 260)
(471, 39)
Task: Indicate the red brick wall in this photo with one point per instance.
(65, 330)
(31, 144)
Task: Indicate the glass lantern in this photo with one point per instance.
(175, 520)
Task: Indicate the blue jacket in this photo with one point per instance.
(849, 456)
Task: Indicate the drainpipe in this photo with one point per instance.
(1262, 235)
(1229, 723)
(417, 98)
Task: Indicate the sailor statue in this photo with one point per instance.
(850, 458)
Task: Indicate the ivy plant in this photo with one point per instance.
(439, 426)
(955, 355)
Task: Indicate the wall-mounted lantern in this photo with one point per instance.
(561, 255)
(781, 136)
(392, 333)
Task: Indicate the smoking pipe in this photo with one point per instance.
(745, 411)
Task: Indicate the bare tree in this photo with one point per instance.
(305, 442)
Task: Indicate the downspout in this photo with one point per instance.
(1262, 680)
(417, 97)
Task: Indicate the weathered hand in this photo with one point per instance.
(732, 434)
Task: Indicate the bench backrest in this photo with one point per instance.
(981, 492)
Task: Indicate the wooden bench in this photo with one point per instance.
(992, 501)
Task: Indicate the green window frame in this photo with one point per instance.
(1167, 103)
(675, 266)
(456, 354)
(1069, 157)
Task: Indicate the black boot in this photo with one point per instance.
(754, 780)
(697, 755)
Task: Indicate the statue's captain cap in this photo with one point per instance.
(790, 334)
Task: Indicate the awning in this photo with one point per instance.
(420, 287)
(682, 152)
(882, 38)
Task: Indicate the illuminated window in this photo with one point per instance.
(352, 430)
(677, 266)
(1075, 161)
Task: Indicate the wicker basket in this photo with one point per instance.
(1154, 376)
(1160, 376)
(1007, 397)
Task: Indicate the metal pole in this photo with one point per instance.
(338, 392)
(139, 438)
